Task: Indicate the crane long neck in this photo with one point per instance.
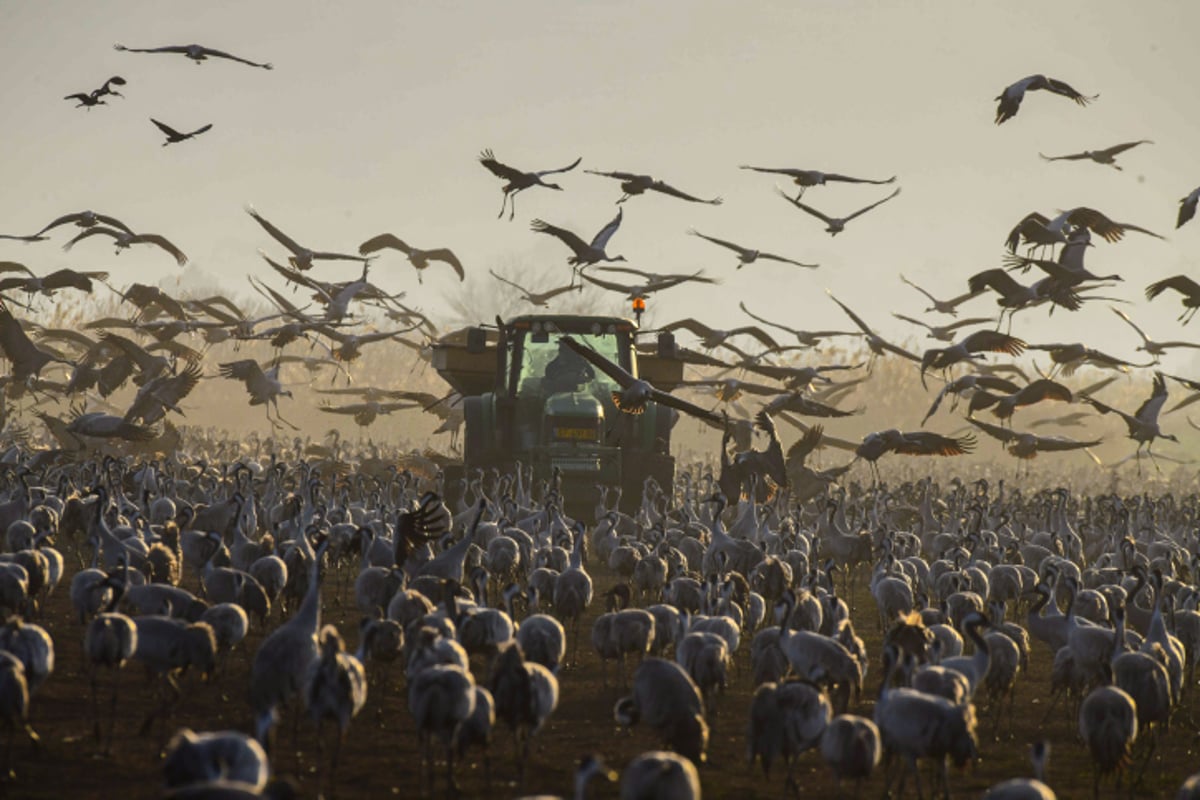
(309, 615)
(577, 552)
(981, 645)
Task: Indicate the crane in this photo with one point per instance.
(633, 184)
(196, 52)
(807, 178)
(1010, 99)
(748, 256)
(834, 225)
(174, 136)
(517, 181)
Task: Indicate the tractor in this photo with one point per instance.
(529, 400)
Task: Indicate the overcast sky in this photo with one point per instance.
(375, 114)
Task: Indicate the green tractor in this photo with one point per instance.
(527, 399)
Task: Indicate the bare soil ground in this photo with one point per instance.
(380, 757)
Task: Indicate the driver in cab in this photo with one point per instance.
(566, 372)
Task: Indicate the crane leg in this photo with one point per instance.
(1150, 453)
(112, 714)
(95, 707)
(281, 419)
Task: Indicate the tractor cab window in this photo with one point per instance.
(549, 368)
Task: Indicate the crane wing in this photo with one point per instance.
(498, 169)
(172, 48)
(666, 399)
(567, 168)
(789, 171)
(1030, 223)
(1180, 283)
(921, 443)
(1187, 208)
(666, 188)
(803, 207)
(854, 317)
(208, 51)
(276, 234)
(569, 238)
(925, 325)
(1148, 411)
(864, 210)
(95, 230)
(691, 326)
(772, 257)
(516, 286)
(445, 255)
(1053, 444)
(610, 285)
(621, 176)
(381, 241)
(1064, 89)
(1116, 149)
(246, 370)
(165, 128)
(995, 431)
(721, 242)
(802, 447)
(164, 243)
(1071, 157)
(351, 409)
(606, 233)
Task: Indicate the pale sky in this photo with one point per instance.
(375, 114)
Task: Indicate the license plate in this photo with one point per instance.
(588, 434)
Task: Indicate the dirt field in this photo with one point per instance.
(380, 757)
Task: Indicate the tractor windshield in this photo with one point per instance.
(550, 368)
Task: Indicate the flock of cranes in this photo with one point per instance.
(709, 606)
(731, 567)
(197, 53)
